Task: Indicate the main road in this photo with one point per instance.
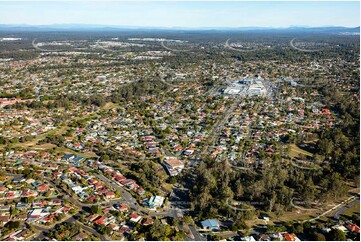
(220, 124)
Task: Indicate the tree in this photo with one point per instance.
(238, 191)
(296, 228)
(105, 229)
(355, 218)
(95, 209)
(172, 180)
(60, 216)
(29, 199)
(12, 224)
(160, 231)
(105, 157)
(188, 219)
(14, 211)
(336, 235)
(318, 236)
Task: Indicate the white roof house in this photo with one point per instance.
(77, 189)
(248, 238)
(156, 201)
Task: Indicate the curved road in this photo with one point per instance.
(129, 199)
(227, 46)
(41, 49)
(168, 48)
(345, 207)
(338, 208)
(300, 49)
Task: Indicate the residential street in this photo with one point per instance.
(72, 219)
(128, 198)
(197, 236)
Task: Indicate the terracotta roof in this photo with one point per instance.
(174, 162)
(289, 237)
(353, 228)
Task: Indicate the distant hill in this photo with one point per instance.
(91, 27)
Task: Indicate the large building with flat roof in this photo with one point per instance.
(246, 87)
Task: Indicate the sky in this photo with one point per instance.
(183, 14)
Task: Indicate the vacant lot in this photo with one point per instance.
(297, 152)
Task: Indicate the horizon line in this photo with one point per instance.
(73, 25)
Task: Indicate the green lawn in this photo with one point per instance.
(295, 151)
(352, 210)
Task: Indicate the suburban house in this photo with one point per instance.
(109, 195)
(173, 165)
(290, 237)
(135, 218)
(43, 188)
(248, 238)
(155, 201)
(147, 221)
(210, 224)
(100, 220)
(68, 157)
(353, 228)
(122, 207)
